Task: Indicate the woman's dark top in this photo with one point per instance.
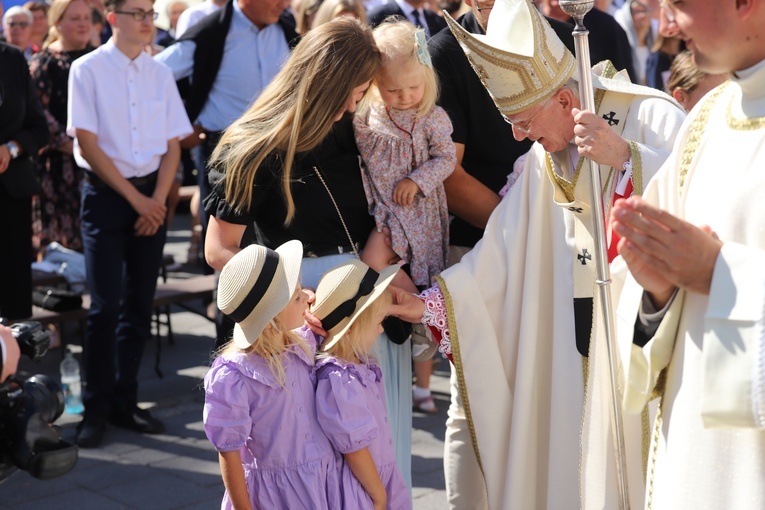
(316, 223)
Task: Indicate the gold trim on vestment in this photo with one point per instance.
(586, 374)
(696, 131)
(566, 186)
(637, 168)
(457, 362)
(745, 124)
(645, 438)
(658, 391)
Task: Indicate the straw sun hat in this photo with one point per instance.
(255, 285)
(346, 291)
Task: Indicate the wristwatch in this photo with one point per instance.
(13, 149)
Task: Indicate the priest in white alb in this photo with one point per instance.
(696, 245)
(515, 315)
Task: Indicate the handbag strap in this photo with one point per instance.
(342, 221)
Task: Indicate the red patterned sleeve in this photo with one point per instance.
(435, 319)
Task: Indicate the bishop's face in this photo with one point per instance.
(550, 123)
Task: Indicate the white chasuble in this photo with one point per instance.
(511, 322)
(709, 445)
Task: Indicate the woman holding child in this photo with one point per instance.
(290, 165)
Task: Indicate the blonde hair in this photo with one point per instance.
(397, 43)
(272, 343)
(683, 74)
(351, 344)
(332, 9)
(55, 14)
(298, 108)
(306, 10)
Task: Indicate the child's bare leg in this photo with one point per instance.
(378, 256)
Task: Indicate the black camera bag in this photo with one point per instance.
(57, 300)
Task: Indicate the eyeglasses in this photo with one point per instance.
(481, 9)
(638, 8)
(669, 9)
(139, 15)
(524, 126)
(22, 24)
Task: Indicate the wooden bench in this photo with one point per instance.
(174, 292)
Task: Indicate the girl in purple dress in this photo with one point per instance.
(260, 406)
(351, 302)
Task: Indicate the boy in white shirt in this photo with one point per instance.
(127, 117)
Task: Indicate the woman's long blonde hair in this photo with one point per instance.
(297, 109)
(351, 344)
(272, 343)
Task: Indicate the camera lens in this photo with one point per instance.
(47, 395)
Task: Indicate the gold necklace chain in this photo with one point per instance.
(342, 221)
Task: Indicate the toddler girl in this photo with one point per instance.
(405, 142)
(260, 408)
(351, 301)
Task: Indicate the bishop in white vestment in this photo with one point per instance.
(505, 313)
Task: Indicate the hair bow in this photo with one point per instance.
(422, 47)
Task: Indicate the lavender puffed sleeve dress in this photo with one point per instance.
(288, 461)
(350, 399)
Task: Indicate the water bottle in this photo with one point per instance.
(70, 380)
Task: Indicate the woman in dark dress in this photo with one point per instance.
(56, 214)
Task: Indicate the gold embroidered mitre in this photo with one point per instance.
(520, 60)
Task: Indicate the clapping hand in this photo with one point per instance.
(664, 252)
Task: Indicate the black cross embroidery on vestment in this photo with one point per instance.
(610, 118)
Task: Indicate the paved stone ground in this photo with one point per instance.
(179, 469)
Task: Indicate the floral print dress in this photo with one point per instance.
(395, 144)
(56, 212)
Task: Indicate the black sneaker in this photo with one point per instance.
(136, 419)
(90, 431)
(398, 331)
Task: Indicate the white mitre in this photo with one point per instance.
(520, 60)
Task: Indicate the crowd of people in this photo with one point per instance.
(379, 182)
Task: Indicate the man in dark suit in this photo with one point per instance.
(412, 10)
(23, 132)
(608, 40)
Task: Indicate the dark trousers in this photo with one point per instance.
(201, 155)
(122, 271)
(15, 256)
